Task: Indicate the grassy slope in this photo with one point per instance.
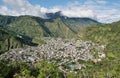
(108, 34)
(59, 29)
(26, 26)
(105, 34)
(76, 24)
(8, 41)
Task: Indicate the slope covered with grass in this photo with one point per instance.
(10, 40)
(108, 34)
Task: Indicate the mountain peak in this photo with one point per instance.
(54, 15)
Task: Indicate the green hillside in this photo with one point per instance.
(59, 29)
(104, 34)
(36, 27)
(108, 34)
(5, 20)
(10, 40)
(27, 26)
(76, 24)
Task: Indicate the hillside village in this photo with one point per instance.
(66, 54)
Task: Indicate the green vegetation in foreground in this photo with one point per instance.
(22, 70)
(46, 69)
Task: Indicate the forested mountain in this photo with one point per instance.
(55, 26)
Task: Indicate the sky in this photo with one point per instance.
(104, 11)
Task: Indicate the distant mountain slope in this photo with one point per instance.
(55, 26)
(26, 25)
(5, 20)
(75, 24)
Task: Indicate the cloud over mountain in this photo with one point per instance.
(22, 7)
(96, 9)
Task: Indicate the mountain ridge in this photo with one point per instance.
(21, 24)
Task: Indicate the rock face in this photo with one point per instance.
(58, 51)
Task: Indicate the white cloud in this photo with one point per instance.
(78, 12)
(91, 8)
(96, 9)
(108, 16)
(22, 7)
(17, 3)
(101, 1)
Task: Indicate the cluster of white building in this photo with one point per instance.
(59, 51)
